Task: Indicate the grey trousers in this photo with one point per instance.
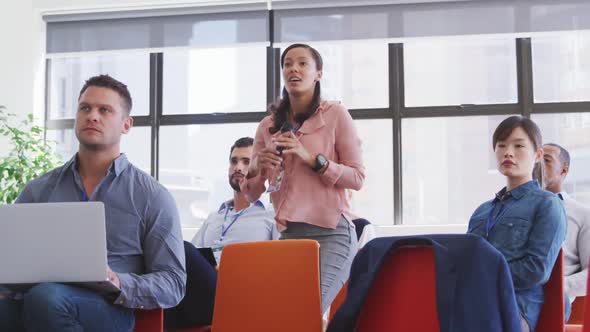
(337, 250)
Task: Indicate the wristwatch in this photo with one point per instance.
(320, 162)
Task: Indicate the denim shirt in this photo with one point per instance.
(529, 229)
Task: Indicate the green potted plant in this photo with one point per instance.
(29, 155)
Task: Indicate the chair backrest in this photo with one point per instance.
(403, 296)
(407, 230)
(149, 320)
(269, 286)
(577, 315)
(552, 314)
(587, 309)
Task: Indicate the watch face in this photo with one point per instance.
(320, 162)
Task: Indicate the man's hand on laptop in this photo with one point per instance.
(113, 277)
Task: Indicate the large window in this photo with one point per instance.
(561, 67)
(424, 107)
(456, 71)
(355, 73)
(216, 80)
(572, 131)
(449, 168)
(67, 76)
(194, 163)
(374, 201)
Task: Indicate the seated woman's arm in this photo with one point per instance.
(545, 240)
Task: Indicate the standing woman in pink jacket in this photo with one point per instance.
(309, 151)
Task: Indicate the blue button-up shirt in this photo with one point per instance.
(529, 228)
(254, 223)
(144, 240)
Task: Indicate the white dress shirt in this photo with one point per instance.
(576, 248)
(225, 226)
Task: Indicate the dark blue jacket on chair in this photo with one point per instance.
(474, 290)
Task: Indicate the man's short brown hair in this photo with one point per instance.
(106, 81)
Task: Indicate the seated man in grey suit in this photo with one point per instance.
(144, 242)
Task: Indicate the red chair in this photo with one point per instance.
(577, 316)
(587, 311)
(191, 329)
(153, 321)
(149, 320)
(552, 314)
(406, 285)
(586, 317)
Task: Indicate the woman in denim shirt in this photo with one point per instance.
(524, 222)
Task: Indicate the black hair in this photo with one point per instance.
(506, 127)
(243, 142)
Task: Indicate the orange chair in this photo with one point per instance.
(149, 320)
(269, 286)
(406, 285)
(552, 314)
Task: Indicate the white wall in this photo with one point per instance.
(16, 58)
(20, 59)
(78, 6)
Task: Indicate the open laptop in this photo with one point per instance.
(54, 242)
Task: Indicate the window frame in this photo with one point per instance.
(396, 111)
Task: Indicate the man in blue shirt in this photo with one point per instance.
(144, 241)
